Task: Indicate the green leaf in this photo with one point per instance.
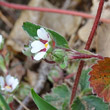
(1, 108)
(2, 64)
(51, 97)
(84, 79)
(62, 91)
(42, 105)
(53, 74)
(77, 105)
(4, 102)
(96, 102)
(59, 40)
(59, 97)
(23, 90)
(65, 105)
(31, 29)
(9, 99)
(7, 59)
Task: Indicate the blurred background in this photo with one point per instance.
(75, 29)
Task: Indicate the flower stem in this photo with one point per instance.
(69, 76)
(11, 106)
(68, 12)
(85, 56)
(99, 11)
(51, 62)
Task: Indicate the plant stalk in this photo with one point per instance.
(97, 18)
(68, 12)
(85, 56)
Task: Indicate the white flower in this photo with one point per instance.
(40, 47)
(1, 42)
(1, 39)
(9, 83)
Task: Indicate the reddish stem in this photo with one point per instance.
(86, 56)
(69, 76)
(11, 106)
(75, 13)
(99, 11)
(51, 62)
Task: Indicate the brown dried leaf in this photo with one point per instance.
(32, 77)
(103, 40)
(17, 69)
(100, 79)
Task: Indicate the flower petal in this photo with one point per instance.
(37, 46)
(2, 83)
(1, 38)
(11, 83)
(39, 55)
(48, 47)
(42, 34)
(8, 89)
(14, 85)
(9, 80)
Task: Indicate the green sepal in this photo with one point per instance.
(58, 55)
(63, 65)
(27, 50)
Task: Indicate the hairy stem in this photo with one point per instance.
(69, 76)
(75, 13)
(86, 56)
(51, 62)
(11, 106)
(99, 11)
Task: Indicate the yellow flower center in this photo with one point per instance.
(46, 45)
(8, 87)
